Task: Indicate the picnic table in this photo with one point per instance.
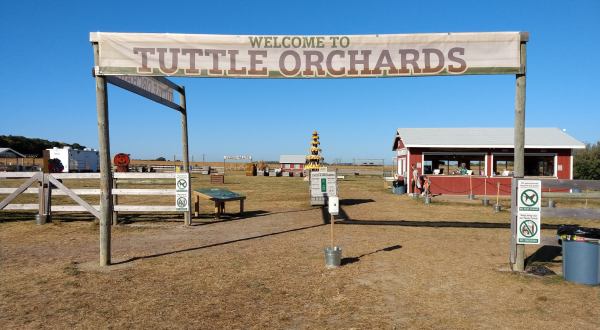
(218, 195)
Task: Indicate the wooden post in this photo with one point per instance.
(106, 206)
(332, 237)
(498, 193)
(115, 218)
(217, 210)
(518, 259)
(485, 187)
(185, 153)
(41, 219)
(471, 186)
(44, 209)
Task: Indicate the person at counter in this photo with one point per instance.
(462, 170)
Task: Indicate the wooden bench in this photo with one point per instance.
(219, 196)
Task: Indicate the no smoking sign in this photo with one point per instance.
(529, 194)
(182, 192)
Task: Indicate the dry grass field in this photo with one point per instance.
(441, 265)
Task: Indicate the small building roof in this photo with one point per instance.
(546, 138)
(10, 153)
(292, 159)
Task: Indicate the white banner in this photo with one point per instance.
(292, 56)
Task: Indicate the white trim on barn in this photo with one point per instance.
(572, 169)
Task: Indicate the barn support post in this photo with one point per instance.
(106, 206)
(517, 257)
(185, 152)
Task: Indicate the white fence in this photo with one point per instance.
(50, 184)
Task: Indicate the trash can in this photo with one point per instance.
(400, 190)
(581, 254)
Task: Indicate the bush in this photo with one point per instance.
(586, 162)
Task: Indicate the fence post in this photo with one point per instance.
(44, 192)
(115, 198)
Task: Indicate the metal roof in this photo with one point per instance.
(10, 153)
(485, 138)
(292, 159)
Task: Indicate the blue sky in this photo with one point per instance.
(47, 91)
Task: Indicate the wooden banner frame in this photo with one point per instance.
(106, 210)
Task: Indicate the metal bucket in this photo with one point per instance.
(471, 197)
(333, 257)
(497, 208)
(551, 203)
(485, 202)
(427, 200)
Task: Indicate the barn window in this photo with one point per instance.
(450, 163)
(535, 165)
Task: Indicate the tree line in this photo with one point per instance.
(586, 162)
(33, 147)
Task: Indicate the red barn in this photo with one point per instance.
(461, 161)
(292, 164)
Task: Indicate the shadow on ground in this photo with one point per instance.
(351, 260)
(215, 244)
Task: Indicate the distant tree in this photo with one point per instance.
(586, 162)
(162, 159)
(77, 146)
(32, 146)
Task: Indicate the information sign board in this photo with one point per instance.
(323, 184)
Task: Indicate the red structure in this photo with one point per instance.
(462, 161)
(294, 164)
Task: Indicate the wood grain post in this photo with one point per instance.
(216, 209)
(518, 259)
(41, 219)
(185, 152)
(44, 189)
(106, 206)
(115, 218)
(332, 220)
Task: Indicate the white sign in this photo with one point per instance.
(323, 184)
(240, 157)
(333, 205)
(529, 206)
(317, 56)
(182, 191)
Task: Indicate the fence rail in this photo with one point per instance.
(52, 184)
